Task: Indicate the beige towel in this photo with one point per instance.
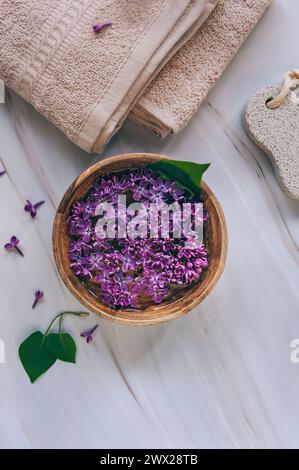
(87, 83)
(183, 84)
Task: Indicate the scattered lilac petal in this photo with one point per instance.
(38, 204)
(38, 296)
(88, 333)
(32, 208)
(13, 245)
(100, 26)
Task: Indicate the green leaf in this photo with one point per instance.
(35, 356)
(187, 174)
(62, 346)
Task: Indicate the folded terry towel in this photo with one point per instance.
(183, 84)
(87, 83)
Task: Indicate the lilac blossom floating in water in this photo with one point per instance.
(131, 272)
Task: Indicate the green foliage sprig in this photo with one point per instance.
(39, 352)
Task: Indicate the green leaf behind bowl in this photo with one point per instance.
(187, 174)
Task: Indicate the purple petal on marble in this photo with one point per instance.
(13, 245)
(32, 208)
(37, 297)
(88, 333)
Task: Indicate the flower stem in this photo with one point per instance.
(60, 324)
(61, 315)
(19, 251)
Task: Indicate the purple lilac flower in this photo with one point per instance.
(177, 273)
(128, 262)
(80, 269)
(158, 262)
(176, 192)
(88, 333)
(83, 229)
(83, 209)
(140, 174)
(32, 208)
(37, 297)
(102, 245)
(159, 184)
(121, 183)
(94, 262)
(78, 248)
(13, 245)
(140, 191)
(110, 264)
(106, 186)
(188, 265)
(154, 284)
(127, 270)
(120, 291)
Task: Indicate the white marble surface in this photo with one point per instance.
(219, 377)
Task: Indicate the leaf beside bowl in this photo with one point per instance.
(187, 174)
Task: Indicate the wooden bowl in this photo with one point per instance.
(215, 239)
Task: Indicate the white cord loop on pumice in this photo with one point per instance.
(291, 80)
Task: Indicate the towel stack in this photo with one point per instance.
(156, 63)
